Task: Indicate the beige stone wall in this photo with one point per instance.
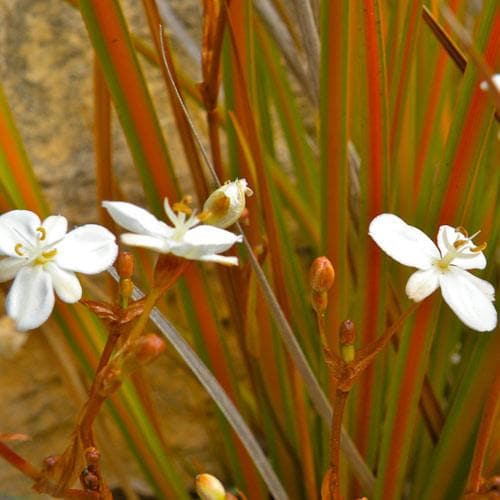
(46, 71)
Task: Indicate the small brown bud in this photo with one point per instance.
(347, 332)
(209, 487)
(50, 461)
(148, 347)
(125, 265)
(321, 275)
(89, 480)
(347, 335)
(92, 456)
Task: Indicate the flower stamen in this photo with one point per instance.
(183, 205)
(45, 257)
(49, 254)
(479, 248)
(18, 249)
(462, 231)
(459, 244)
(43, 233)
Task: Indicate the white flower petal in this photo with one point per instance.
(447, 235)
(65, 283)
(88, 249)
(204, 240)
(136, 219)
(17, 226)
(56, 226)
(145, 241)
(470, 298)
(31, 298)
(421, 284)
(220, 259)
(404, 243)
(9, 267)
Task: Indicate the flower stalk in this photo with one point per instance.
(345, 372)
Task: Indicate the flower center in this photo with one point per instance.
(463, 247)
(178, 215)
(37, 253)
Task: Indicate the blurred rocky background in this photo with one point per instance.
(46, 68)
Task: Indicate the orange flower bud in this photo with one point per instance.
(148, 347)
(125, 265)
(92, 456)
(321, 275)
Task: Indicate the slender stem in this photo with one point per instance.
(149, 305)
(18, 462)
(113, 337)
(305, 439)
(95, 400)
(338, 413)
(368, 353)
(485, 430)
(332, 360)
(213, 130)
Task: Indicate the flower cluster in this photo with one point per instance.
(443, 266)
(42, 257)
(191, 236)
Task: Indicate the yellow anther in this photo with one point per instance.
(479, 248)
(182, 206)
(43, 233)
(49, 254)
(462, 230)
(459, 243)
(46, 257)
(18, 250)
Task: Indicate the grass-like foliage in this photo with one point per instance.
(356, 376)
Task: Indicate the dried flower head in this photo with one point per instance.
(226, 204)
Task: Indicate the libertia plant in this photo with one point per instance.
(337, 132)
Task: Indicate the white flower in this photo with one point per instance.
(441, 266)
(187, 238)
(43, 258)
(496, 80)
(226, 204)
